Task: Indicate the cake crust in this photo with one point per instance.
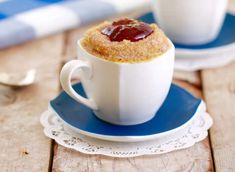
(125, 51)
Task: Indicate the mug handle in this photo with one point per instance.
(65, 80)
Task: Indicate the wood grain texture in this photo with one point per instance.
(23, 146)
(197, 158)
(219, 92)
(190, 77)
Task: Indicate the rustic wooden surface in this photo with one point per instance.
(219, 92)
(23, 146)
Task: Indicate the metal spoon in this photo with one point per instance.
(18, 80)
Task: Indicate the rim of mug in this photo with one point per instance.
(172, 48)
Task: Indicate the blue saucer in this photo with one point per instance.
(225, 37)
(179, 109)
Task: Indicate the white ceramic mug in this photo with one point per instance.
(121, 93)
(190, 22)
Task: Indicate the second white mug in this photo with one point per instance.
(190, 22)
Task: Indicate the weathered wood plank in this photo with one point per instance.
(194, 159)
(191, 77)
(219, 92)
(23, 146)
(197, 158)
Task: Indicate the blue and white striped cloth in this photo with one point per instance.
(23, 20)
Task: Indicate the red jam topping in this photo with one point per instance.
(128, 29)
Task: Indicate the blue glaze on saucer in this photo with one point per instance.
(178, 108)
(225, 37)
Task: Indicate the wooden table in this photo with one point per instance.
(24, 147)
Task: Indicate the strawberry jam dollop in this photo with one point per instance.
(127, 29)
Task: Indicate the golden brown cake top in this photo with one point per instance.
(125, 40)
